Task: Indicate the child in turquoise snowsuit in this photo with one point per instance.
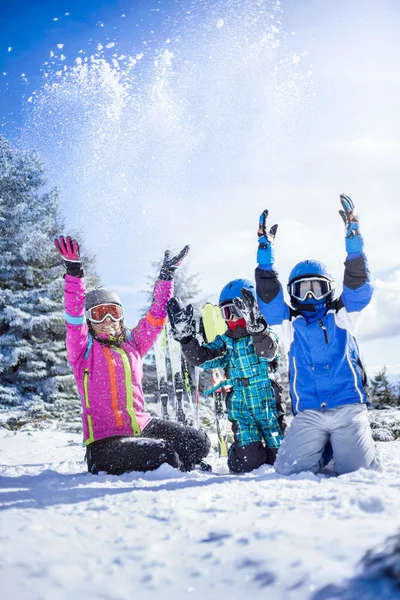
(252, 401)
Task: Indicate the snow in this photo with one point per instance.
(65, 533)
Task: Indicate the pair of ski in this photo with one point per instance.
(212, 324)
(180, 378)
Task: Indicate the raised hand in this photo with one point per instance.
(266, 239)
(170, 265)
(183, 325)
(69, 251)
(349, 214)
(247, 305)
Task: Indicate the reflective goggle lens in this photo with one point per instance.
(229, 310)
(98, 314)
(318, 288)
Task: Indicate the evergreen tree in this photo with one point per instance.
(382, 391)
(35, 379)
(397, 392)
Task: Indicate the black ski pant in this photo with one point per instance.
(161, 442)
(243, 459)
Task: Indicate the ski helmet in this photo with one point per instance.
(233, 288)
(311, 269)
(101, 295)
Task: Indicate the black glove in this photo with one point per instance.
(247, 305)
(183, 325)
(69, 251)
(170, 265)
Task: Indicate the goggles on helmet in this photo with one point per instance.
(229, 310)
(317, 287)
(99, 313)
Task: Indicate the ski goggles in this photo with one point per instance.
(99, 313)
(229, 310)
(317, 287)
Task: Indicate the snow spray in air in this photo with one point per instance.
(210, 107)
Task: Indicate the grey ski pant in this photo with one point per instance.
(348, 430)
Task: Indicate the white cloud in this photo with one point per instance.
(381, 319)
(375, 145)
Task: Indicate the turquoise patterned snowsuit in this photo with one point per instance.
(252, 403)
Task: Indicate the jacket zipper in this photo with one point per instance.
(85, 387)
(324, 330)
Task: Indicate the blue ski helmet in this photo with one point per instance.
(233, 288)
(311, 268)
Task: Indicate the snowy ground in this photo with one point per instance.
(65, 534)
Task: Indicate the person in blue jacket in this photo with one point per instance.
(327, 379)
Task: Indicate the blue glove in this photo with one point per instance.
(266, 238)
(354, 240)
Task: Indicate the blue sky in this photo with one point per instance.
(189, 118)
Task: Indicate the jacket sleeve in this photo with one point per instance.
(266, 344)
(147, 330)
(77, 329)
(357, 288)
(208, 356)
(270, 296)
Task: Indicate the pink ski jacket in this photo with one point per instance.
(109, 379)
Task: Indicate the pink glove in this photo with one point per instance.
(69, 249)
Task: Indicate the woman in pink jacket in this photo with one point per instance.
(106, 360)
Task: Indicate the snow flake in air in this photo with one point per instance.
(9, 48)
(220, 23)
(110, 45)
(60, 46)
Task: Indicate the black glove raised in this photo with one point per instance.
(170, 265)
(248, 307)
(183, 325)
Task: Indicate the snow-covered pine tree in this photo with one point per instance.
(397, 392)
(36, 382)
(382, 391)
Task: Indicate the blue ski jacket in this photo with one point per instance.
(325, 370)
